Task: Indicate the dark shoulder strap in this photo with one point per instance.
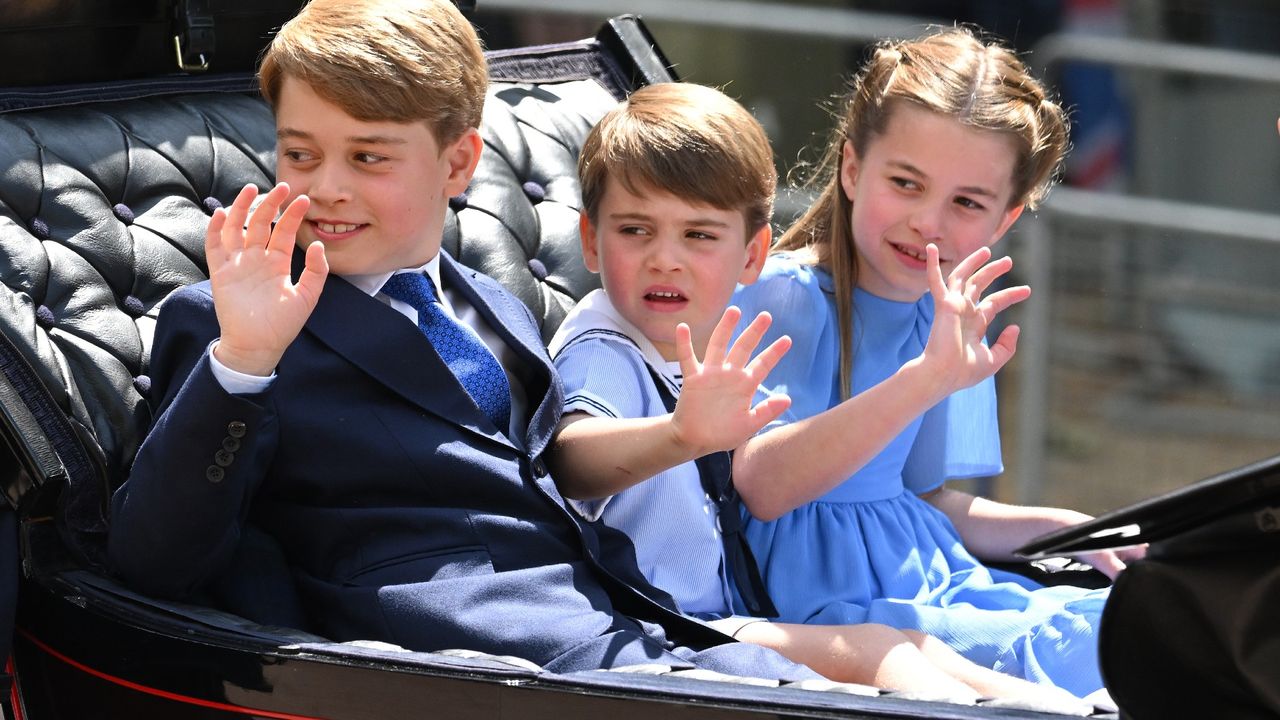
(716, 473)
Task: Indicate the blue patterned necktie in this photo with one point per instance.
(467, 357)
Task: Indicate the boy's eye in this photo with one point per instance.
(298, 156)
(969, 203)
(633, 230)
(699, 235)
(365, 158)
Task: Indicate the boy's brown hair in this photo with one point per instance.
(384, 60)
(688, 140)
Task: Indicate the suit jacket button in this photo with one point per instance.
(236, 429)
(223, 458)
(230, 444)
(539, 468)
(214, 474)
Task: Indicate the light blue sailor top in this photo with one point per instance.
(669, 517)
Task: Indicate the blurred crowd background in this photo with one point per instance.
(1150, 355)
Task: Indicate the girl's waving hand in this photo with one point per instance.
(956, 349)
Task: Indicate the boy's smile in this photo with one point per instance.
(927, 179)
(378, 189)
(665, 299)
(664, 261)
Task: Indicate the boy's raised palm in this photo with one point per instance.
(962, 316)
(260, 309)
(714, 411)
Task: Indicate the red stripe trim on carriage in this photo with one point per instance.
(162, 693)
(15, 699)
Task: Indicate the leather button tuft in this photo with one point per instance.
(40, 228)
(123, 212)
(458, 202)
(133, 306)
(237, 429)
(142, 384)
(44, 317)
(535, 192)
(538, 269)
(214, 474)
(222, 458)
(230, 444)
(210, 204)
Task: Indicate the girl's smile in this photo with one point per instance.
(910, 257)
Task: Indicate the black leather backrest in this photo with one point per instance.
(518, 220)
(103, 207)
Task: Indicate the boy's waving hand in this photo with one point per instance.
(714, 411)
(260, 309)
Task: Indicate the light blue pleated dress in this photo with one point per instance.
(870, 550)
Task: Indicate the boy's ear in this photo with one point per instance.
(757, 252)
(1010, 216)
(848, 170)
(463, 155)
(590, 246)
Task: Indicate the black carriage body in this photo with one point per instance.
(73, 41)
(104, 193)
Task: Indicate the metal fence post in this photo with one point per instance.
(1036, 261)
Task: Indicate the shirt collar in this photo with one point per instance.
(596, 312)
(370, 284)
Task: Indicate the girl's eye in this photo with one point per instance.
(969, 203)
(905, 183)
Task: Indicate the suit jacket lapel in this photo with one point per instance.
(506, 315)
(346, 318)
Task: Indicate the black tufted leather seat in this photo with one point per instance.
(518, 220)
(103, 207)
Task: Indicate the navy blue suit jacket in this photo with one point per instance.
(403, 513)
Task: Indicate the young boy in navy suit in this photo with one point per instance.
(376, 408)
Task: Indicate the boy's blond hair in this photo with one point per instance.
(954, 73)
(688, 140)
(384, 60)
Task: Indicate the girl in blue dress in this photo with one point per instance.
(944, 141)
